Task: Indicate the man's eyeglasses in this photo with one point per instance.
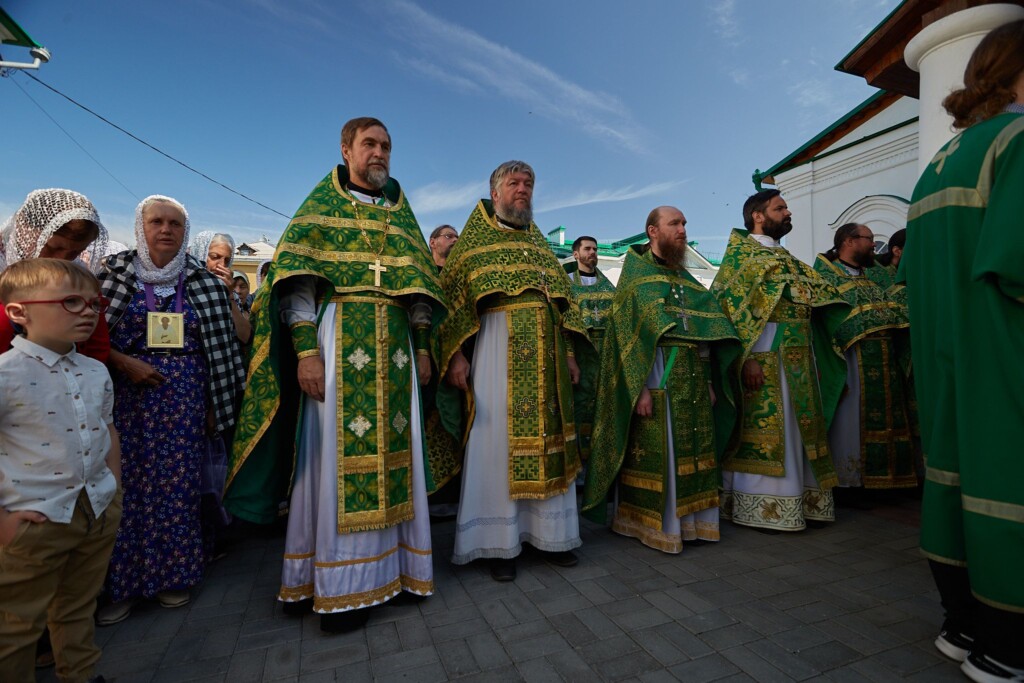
(864, 237)
(76, 303)
(449, 236)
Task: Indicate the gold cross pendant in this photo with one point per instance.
(377, 269)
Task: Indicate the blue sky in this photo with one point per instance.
(618, 106)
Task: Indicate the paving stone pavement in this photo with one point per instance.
(850, 602)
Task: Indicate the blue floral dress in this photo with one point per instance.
(163, 438)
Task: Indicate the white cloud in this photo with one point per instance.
(458, 57)
(723, 20)
(621, 194)
(440, 196)
(740, 77)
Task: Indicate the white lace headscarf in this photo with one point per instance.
(43, 213)
(199, 247)
(259, 272)
(145, 270)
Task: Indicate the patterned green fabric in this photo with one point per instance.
(657, 307)
(883, 276)
(871, 310)
(757, 285)
(492, 268)
(965, 284)
(328, 240)
(595, 302)
(877, 327)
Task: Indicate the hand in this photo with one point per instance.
(423, 369)
(574, 369)
(311, 377)
(645, 404)
(753, 375)
(11, 521)
(711, 390)
(458, 371)
(140, 372)
(224, 275)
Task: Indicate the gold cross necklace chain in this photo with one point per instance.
(376, 267)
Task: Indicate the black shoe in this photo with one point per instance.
(765, 531)
(984, 669)
(564, 558)
(343, 622)
(953, 643)
(816, 524)
(503, 570)
(298, 608)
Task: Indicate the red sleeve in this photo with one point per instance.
(98, 345)
(6, 330)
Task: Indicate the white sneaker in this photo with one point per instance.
(984, 669)
(954, 645)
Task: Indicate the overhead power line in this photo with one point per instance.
(153, 147)
(72, 138)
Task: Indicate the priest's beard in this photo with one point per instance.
(867, 259)
(376, 176)
(777, 229)
(673, 252)
(522, 215)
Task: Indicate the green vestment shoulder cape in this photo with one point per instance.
(496, 268)
(871, 308)
(327, 239)
(644, 312)
(964, 269)
(595, 301)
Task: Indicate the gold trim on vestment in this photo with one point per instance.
(998, 605)
(626, 524)
(376, 558)
(348, 256)
(1011, 512)
(943, 560)
(298, 556)
(343, 603)
(295, 593)
(348, 195)
(942, 477)
(645, 483)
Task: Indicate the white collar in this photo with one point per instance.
(46, 356)
(766, 240)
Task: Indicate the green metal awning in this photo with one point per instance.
(12, 34)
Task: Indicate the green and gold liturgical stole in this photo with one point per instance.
(965, 284)
(756, 285)
(595, 302)
(875, 329)
(370, 261)
(659, 307)
(497, 269)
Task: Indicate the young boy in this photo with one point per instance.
(60, 462)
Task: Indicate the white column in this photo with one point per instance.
(940, 53)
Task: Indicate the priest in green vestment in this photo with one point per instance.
(594, 293)
(331, 415)
(964, 270)
(668, 346)
(777, 469)
(508, 348)
(870, 435)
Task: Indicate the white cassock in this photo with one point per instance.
(491, 524)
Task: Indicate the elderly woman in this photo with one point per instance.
(169, 398)
(54, 223)
(217, 250)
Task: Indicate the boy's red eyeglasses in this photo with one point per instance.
(76, 303)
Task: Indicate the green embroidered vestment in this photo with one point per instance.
(346, 245)
(756, 285)
(875, 330)
(594, 301)
(496, 269)
(965, 285)
(656, 307)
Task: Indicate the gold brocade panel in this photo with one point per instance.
(543, 454)
(374, 400)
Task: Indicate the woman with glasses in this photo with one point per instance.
(176, 373)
